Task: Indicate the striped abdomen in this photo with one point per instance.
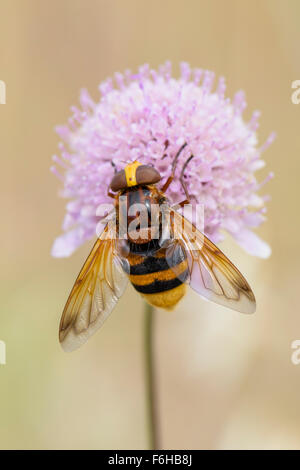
(159, 278)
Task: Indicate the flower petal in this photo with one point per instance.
(252, 244)
(148, 117)
(67, 243)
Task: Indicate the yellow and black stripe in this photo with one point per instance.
(159, 278)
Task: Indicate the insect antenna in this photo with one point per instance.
(114, 167)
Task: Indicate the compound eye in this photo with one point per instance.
(146, 174)
(119, 181)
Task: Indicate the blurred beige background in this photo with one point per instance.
(226, 381)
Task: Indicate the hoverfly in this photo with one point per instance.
(158, 268)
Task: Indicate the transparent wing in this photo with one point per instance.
(99, 285)
(211, 273)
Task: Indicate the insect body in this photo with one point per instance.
(156, 278)
(158, 262)
(151, 270)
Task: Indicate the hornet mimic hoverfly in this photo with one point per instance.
(159, 263)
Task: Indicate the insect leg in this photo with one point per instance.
(181, 204)
(171, 177)
(110, 194)
(183, 183)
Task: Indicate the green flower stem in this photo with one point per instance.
(151, 399)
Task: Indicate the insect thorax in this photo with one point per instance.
(139, 218)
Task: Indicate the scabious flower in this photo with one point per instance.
(147, 117)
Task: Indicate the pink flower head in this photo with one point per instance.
(148, 117)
